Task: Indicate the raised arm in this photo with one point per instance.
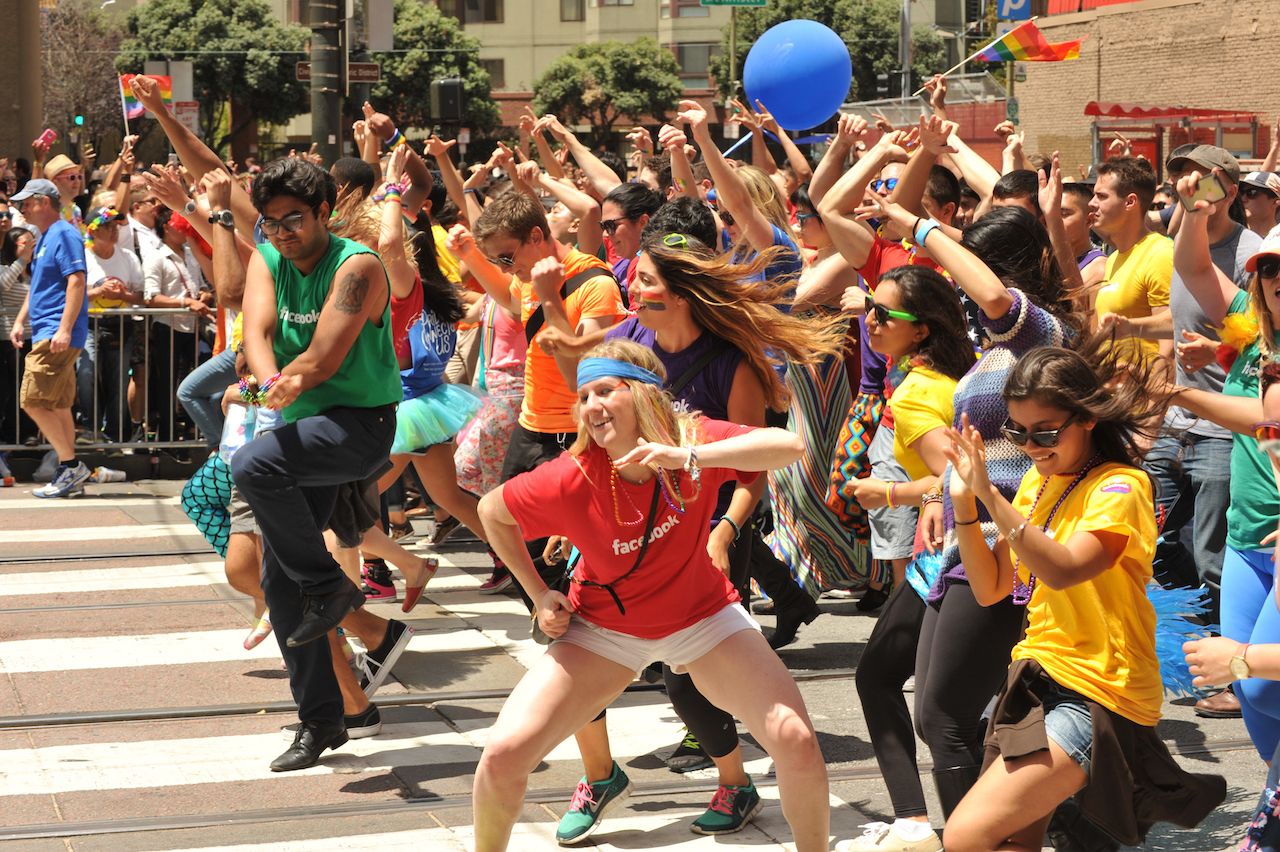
(583, 207)
(400, 271)
(674, 141)
(852, 237)
(849, 129)
(229, 252)
(1210, 287)
(1051, 207)
(800, 164)
(494, 281)
(602, 178)
(934, 135)
(730, 190)
(546, 156)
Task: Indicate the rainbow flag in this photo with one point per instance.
(133, 108)
(1025, 43)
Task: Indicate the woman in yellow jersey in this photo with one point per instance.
(1076, 544)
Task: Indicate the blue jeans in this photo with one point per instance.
(1249, 614)
(1193, 475)
(201, 394)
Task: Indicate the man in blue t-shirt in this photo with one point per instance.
(59, 316)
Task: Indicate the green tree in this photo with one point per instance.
(868, 27)
(435, 47)
(238, 49)
(77, 45)
(602, 82)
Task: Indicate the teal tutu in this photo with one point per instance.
(434, 417)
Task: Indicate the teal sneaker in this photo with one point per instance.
(731, 809)
(590, 801)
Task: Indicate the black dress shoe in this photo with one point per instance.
(322, 613)
(789, 621)
(308, 744)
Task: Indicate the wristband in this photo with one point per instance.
(966, 523)
(396, 139)
(923, 230)
(888, 494)
(737, 530)
(267, 385)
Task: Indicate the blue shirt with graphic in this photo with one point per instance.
(59, 255)
(431, 344)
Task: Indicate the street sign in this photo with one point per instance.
(757, 3)
(1014, 10)
(358, 72)
(188, 115)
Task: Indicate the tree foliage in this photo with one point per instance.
(77, 45)
(435, 47)
(601, 82)
(238, 49)
(868, 27)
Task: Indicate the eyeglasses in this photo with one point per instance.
(801, 218)
(1158, 205)
(502, 259)
(1047, 438)
(675, 241)
(609, 226)
(291, 224)
(1252, 192)
(1268, 267)
(889, 185)
(883, 314)
(5, 214)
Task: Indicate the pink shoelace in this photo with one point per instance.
(722, 801)
(583, 795)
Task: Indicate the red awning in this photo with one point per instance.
(1110, 109)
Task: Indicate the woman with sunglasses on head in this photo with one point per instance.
(713, 334)
(636, 492)
(1078, 710)
(1006, 267)
(914, 318)
(1249, 321)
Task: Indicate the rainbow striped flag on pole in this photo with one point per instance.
(133, 108)
(1025, 43)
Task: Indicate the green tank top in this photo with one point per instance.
(369, 376)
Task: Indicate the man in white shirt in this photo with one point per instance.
(114, 280)
(143, 206)
(169, 282)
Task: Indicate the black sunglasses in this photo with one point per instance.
(611, 225)
(1268, 267)
(1048, 438)
(1254, 191)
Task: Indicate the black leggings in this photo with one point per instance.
(960, 665)
(886, 663)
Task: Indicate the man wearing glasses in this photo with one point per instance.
(142, 236)
(68, 177)
(317, 337)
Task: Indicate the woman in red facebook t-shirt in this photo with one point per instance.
(639, 465)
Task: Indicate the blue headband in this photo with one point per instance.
(590, 369)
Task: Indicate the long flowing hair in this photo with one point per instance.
(726, 302)
(1095, 382)
(934, 300)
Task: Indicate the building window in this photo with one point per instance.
(474, 11)
(497, 69)
(615, 2)
(684, 9)
(695, 63)
(573, 10)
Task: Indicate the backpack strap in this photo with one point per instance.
(539, 318)
(716, 348)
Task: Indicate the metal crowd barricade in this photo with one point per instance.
(116, 333)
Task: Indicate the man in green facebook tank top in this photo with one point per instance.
(317, 337)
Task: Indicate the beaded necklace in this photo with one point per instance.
(669, 486)
(1022, 591)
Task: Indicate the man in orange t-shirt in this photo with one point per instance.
(511, 237)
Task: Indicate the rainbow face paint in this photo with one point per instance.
(653, 305)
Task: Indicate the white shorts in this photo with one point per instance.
(677, 650)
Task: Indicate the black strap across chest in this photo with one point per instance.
(539, 318)
(644, 545)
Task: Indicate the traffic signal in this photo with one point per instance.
(79, 120)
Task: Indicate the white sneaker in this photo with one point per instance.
(910, 685)
(69, 482)
(882, 837)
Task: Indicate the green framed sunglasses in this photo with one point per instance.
(883, 314)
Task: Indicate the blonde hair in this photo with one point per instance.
(656, 414)
(765, 196)
(1266, 322)
(361, 220)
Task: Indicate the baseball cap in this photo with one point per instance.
(1270, 246)
(1259, 179)
(36, 186)
(1206, 157)
(58, 165)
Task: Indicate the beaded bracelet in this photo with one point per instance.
(930, 497)
(267, 385)
(691, 466)
(246, 383)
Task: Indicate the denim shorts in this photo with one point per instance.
(893, 531)
(1067, 721)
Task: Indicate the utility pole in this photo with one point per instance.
(327, 61)
(904, 50)
(733, 52)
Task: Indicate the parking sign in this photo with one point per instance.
(1015, 10)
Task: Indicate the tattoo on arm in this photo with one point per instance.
(351, 293)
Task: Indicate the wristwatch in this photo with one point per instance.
(1238, 666)
(223, 218)
(189, 207)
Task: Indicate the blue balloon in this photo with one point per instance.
(800, 70)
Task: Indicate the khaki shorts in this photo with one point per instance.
(677, 650)
(242, 519)
(50, 380)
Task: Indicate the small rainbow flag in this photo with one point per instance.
(1025, 43)
(133, 108)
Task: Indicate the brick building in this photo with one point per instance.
(1205, 54)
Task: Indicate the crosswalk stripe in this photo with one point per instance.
(27, 583)
(88, 534)
(93, 501)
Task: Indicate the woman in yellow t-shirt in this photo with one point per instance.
(1076, 544)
